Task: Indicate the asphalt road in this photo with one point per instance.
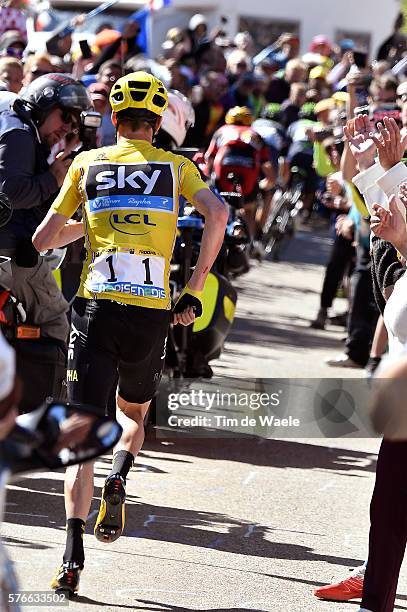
(228, 522)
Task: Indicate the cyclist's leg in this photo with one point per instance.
(131, 417)
(91, 373)
(92, 370)
(303, 159)
(249, 209)
(139, 375)
(111, 518)
(264, 211)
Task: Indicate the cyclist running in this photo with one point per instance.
(129, 194)
(236, 149)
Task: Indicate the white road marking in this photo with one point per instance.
(329, 485)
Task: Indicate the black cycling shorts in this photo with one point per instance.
(110, 341)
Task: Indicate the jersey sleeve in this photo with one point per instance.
(69, 198)
(190, 180)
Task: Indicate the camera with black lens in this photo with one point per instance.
(90, 122)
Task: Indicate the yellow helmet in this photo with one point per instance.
(139, 90)
(239, 115)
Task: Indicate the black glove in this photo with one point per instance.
(188, 298)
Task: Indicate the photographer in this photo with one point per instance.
(48, 109)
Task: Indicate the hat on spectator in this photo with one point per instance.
(197, 20)
(324, 105)
(243, 38)
(340, 97)
(346, 44)
(318, 72)
(289, 38)
(313, 59)
(175, 35)
(106, 38)
(98, 91)
(321, 39)
(402, 89)
(12, 37)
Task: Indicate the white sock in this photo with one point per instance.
(359, 572)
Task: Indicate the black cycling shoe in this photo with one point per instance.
(66, 580)
(110, 521)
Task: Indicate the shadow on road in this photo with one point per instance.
(263, 452)
(208, 530)
(258, 332)
(93, 602)
(162, 607)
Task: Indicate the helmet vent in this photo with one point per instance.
(138, 96)
(139, 85)
(118, 96)
(159, 100)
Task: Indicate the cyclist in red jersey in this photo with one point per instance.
(237, 157)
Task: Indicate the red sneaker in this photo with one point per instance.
(351, 588)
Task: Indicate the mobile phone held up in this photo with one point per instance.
(85, 49)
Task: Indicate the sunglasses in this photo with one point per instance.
(69, 119)
(38, 73)
(14, 52)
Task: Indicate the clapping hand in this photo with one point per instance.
(390, 225)
(390, 143)
(359, 134)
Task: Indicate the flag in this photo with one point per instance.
(156, 5)
(143, 17)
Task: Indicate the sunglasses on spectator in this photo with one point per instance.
(38, 73)
(69, 119)
(14, 52)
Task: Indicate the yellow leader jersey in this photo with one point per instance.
(129, 194)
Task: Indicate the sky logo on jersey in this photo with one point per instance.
(109, 179)
(121, 186)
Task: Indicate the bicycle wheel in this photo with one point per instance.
(272, 233)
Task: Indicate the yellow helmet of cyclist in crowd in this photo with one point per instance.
(239, 115)
(140, 91)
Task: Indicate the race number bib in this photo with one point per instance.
(128, 273)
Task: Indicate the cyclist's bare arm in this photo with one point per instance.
(56, 231)
(216, 216)
(211, 154)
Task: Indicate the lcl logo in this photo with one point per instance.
(130, 223)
